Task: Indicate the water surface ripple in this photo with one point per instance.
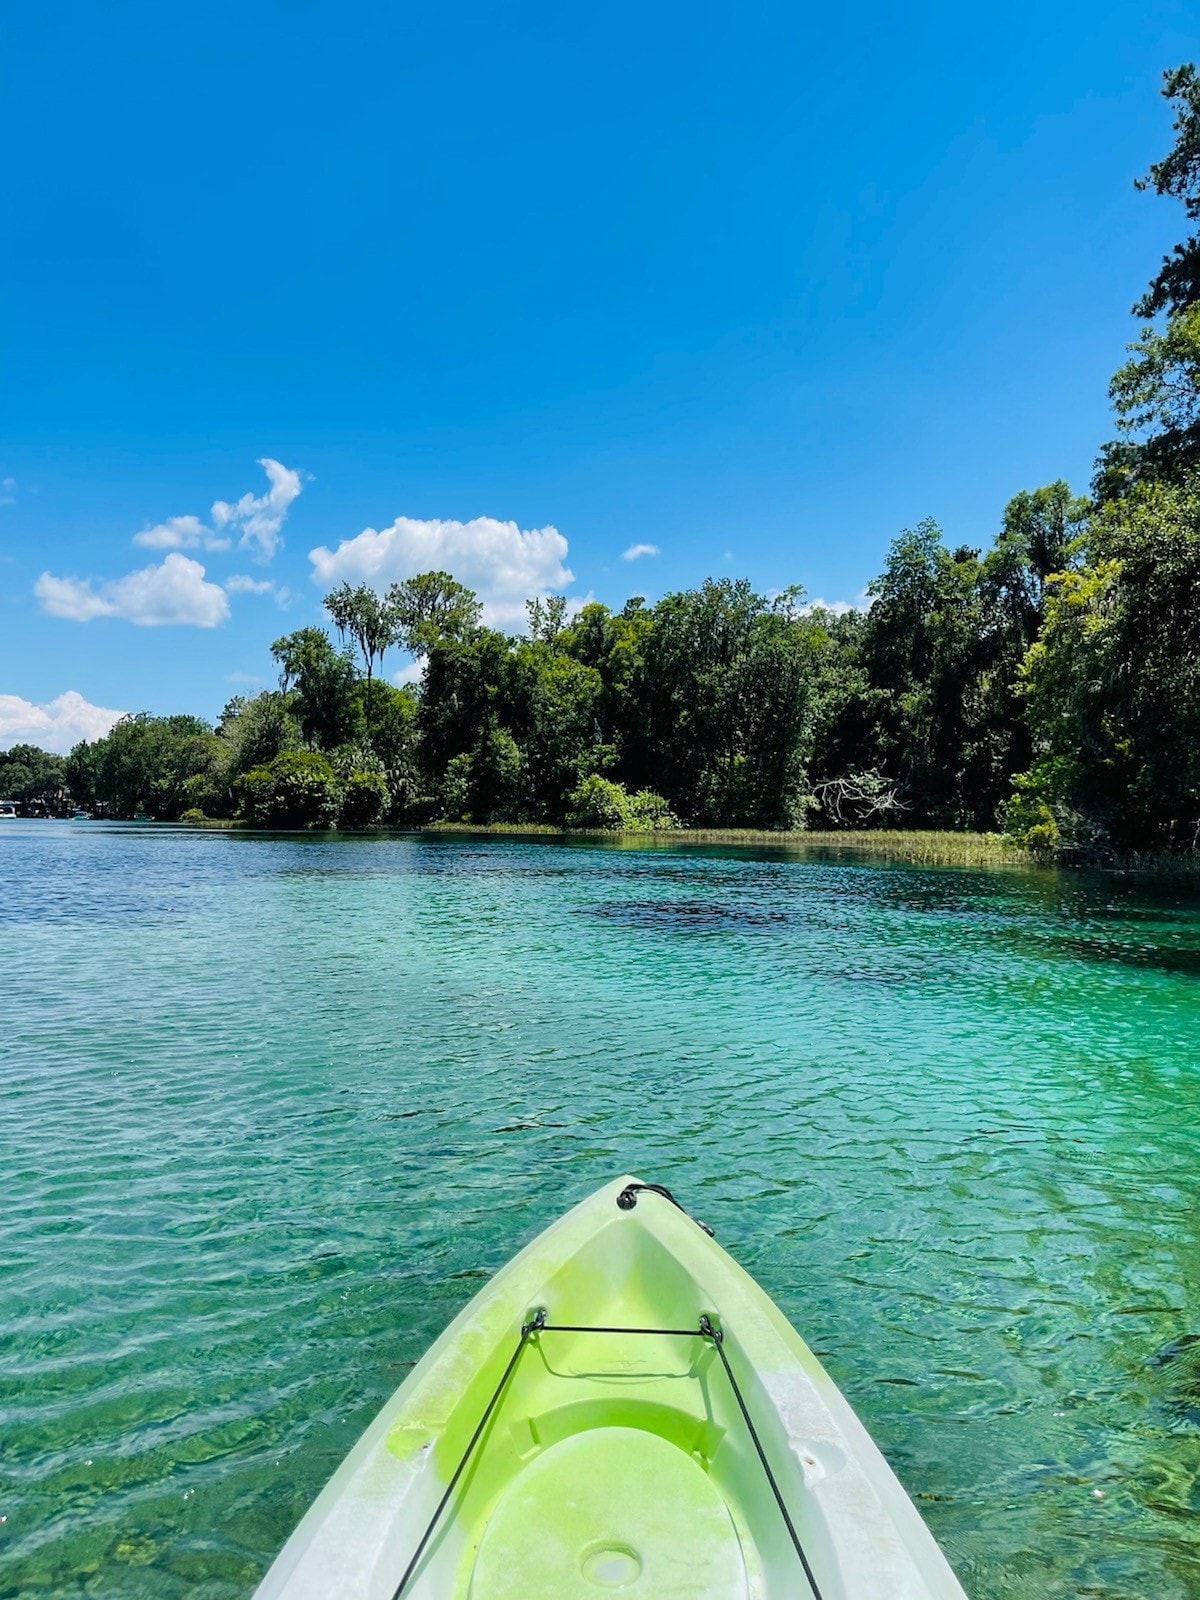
(273, 1109)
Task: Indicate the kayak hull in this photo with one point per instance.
(615, 1460)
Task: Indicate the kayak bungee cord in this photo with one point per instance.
(537, 1324)
(718, 1338)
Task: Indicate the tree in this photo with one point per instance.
(858, 799)
(298, 789)
(1176, 285)
(1040, 536)
(1112, 684)
(483, 784)
(546, 617)
(848, 712)
(320, 680)
(254, 730)
(613, 644)
(34, 778)
(495, 784)
(160, 765)
(81, 774)
(1155, 392)
(462, 681)
(549, 702)
(921, 655)
(1156, 395)
(365, 800)
(373, 623)
(722, 702)
(394, 745)
(432, 606)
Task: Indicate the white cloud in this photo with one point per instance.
(409, 674)
(7, 485)
(256, 519)
(504, 564)
(261, 518)
(636, 551)
(175, 592)
(242, 677)
(839, 608)
(181, 533)
(57, 725)
(242, 583)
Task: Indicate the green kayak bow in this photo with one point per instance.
(621, 1411)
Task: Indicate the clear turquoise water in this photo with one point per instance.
(271, 1110)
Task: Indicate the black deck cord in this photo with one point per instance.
(718, 1339)
(534, 1325)
(627, 1199)
(538, 1324)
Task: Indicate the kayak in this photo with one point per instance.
(622, 1410)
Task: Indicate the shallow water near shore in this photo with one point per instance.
(273, 1109)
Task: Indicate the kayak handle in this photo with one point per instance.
(627, 1199)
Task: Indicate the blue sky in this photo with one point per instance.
(521, 287)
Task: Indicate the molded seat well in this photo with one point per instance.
(613, 1511)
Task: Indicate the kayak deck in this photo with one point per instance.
(613, 1434)
(613, 1458)
(583, 1458)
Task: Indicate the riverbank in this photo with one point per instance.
(904, 846)
(911, 846)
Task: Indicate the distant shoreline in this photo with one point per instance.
(903, 846)
(912, 845)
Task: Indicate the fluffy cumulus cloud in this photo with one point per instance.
(255, 520)
(637, 551)
(504, 564)
(176, 591)
(181, 533)
(259, 518)
(243, 583)
(57, 725)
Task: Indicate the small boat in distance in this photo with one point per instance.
(8, 811)
(621, 1409)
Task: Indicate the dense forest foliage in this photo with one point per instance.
(1049, 685)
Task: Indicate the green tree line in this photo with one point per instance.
(1048, 685)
